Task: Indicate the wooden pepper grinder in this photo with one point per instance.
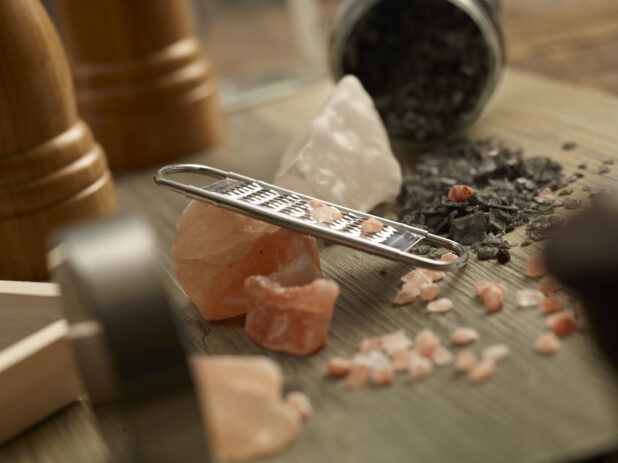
(51, 169)
(142, 82)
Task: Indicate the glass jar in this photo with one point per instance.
(431, 66)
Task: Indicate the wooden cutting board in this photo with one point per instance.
(535, 409)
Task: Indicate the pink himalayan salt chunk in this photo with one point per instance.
(420, 368)
(448, 256)
(535, 267)
(529, 297)
(429, 291)
(426, 342)
(496, 352)
(382, 376)
(482, 371)
(402, 358)
(484, 285)
(405, 296)
(546, 193)
(441, 356)
(215, 250)
(554, 303)
(300, 404)
(358, 375)
(315, 203)
(547, 343)
(369, 344)
(241, 401)
(441, 305)
(562, 323)
(435, 275)
(338, 367)
(416, 278)
(394, 342)
(466, 360)
(491, 293)
(371, 225)
(291, 319)
(459, 193)
(325, 214)
(464, 335)
(548, 285)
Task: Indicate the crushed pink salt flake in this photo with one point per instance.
(496, 352)
(426, 342)
(418, 276)
(491, 293)
(338, 367)
(402, 358)
(441, 356)
(546, 193)
(435, 275)
(529, 297)
(535, 267)
(554, 303)
(420, 368)
(547, 343)
(394, 342)
(315, 203)
(405, 296)
(300, 404)
(482, 371)
(464, 335)
(382, 376)
(325, 214)
(448, 256)
(369, 344)
(371, 225)
(443, 304)
(562, 323)
(429, 291)
(484, 285)
(548, 285)
(459, 193)
(359, 372)
(466, 360)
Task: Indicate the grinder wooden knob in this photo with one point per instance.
(51, 169)
(142, 82)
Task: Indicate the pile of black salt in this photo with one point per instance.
(506, 195)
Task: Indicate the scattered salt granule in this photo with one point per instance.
(299, 403)
(441, 356)
(291, 319)
(562, 323)
(429, 291)
(371, 225)
(417, 277)
(444, 304)
(448, 256)
(242, 406)
(369, 344)
(426, 342)
(548, 285)
(435, 275)
(338, 367)
(466, 360)
(359, 372)
(459, 193)
(215, 250)
(402, 358)
(547, 343)
(529, 297)
(325, 214)
(496, 352)
(382, 376)
(482, 371)
(546, 193)
(491, 293)
(535, 267)
(342, 151)
(405, 295)
(420, 368)
(464, 335)
(394, 342)
(484, 285)
(553, 303)
(315, 203)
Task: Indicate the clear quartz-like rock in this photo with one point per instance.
(344, 155)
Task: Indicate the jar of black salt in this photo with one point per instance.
(431, 66)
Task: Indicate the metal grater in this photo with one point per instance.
(289, 209)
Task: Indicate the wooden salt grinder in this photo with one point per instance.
(142, 82)
(51, 169)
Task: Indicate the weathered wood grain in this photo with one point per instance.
(535, 409)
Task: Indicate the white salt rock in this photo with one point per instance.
(344, 155)
(496, 352)
(440, 305)
(325, 214)
(394, 342)
(529, 297)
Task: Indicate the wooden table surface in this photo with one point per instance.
(535, 409)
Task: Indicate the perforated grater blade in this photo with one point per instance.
(289, 209)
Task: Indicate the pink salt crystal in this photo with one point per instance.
(401, 359)
(358, 376)
(338, 367)
(496, 352)
(441, 356)
(416, 278)
(429, 291)
(325, 214)
(546, 193)
(484, 285)
(493, 298)
(464, 335)
(395, 342)
(459, 193)
(315, 203)
(426, 342)
(443, 304)
(535, 267)
(482, 371)
(420, 368)
(369, 344)
(371, 225)
(300, 404)
(529, 297)
(293, 319)
(554, 303)
(448, 256)
(562, 323)
(382, 376)
(215, 250)
(547, 343)
(466, 360)
(435, 275)
(548, 285)
(405, 296)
